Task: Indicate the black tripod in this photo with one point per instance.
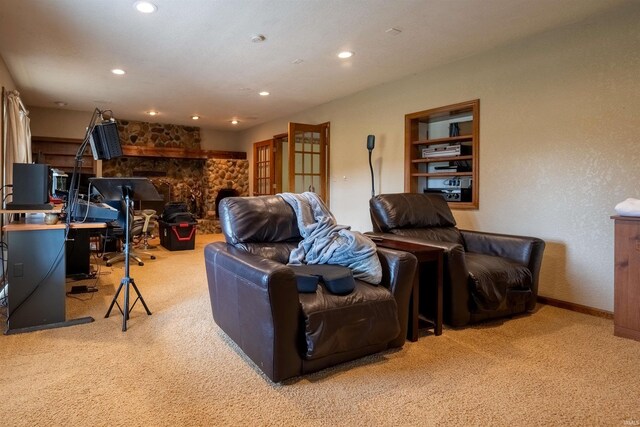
(126, 280)
(124, 189)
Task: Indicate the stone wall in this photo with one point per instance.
(194, 181)
(158, 135)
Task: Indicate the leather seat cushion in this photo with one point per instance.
(334, 323)
(495, 281)
(274, 251)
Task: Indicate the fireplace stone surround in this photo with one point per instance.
(196, 181)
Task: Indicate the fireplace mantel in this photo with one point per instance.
(180, 153)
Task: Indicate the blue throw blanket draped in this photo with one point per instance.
(326, 242)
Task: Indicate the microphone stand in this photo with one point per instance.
(72, 196)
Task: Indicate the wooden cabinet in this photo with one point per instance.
(442, 153)
(60, 153)
(626, 299)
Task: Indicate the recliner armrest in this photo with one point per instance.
(523, 249)
(518, 248)
(255, 301)
(398, 269)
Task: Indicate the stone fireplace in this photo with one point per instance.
(170, 156)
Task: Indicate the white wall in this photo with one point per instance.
(5, 78)
(59, 123)
(559, 128)
(62, 123)
(220, 140)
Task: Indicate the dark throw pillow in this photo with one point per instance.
(336, 278)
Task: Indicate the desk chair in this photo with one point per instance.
(150, 218)
(139, 224)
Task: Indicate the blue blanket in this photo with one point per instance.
(326, 242)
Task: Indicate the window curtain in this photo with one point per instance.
(17, 136)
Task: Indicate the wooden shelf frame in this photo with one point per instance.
(415, 163)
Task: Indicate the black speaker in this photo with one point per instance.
(30, 186)
(106, 141)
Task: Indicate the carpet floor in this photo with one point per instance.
(176, 367)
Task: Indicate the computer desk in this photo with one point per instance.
(36, 272)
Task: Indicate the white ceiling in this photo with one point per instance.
(196, 56)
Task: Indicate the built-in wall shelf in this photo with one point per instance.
(442, 152)
(60, 153)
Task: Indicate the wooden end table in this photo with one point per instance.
(424, 254)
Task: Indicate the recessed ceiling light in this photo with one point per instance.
(195, 117)
(258, 38)
(145, 7)
(264, 93)
(152, 113)
(118, 71)
(234, 122)
(60, 103)
(345, 54)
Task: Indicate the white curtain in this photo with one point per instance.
(17, 138)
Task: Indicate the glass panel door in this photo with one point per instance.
(263, 168)
(308, 153)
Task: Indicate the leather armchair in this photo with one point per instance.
(486, 275)
(255, 300)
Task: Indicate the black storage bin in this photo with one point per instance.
(176, 212)
(178, 236)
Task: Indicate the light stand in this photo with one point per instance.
(127, 279)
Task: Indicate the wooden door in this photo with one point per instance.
(263, 168)
(308, 159)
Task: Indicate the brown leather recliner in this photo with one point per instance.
(486, 275)
(255, 300)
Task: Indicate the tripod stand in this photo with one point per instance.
(142, 189)
(127, 279)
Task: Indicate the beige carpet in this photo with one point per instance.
(176, 367)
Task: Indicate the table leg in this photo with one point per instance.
(412, 332)
(439, 291)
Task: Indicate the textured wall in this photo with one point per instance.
(194, 181)
(558, 143)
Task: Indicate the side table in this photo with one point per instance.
(424, 254)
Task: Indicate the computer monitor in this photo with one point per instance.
(105, 141)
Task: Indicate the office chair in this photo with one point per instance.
(150, 224)
(140, 225)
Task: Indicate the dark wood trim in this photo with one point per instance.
(575, 307)
(180, 153)
(56, 139)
